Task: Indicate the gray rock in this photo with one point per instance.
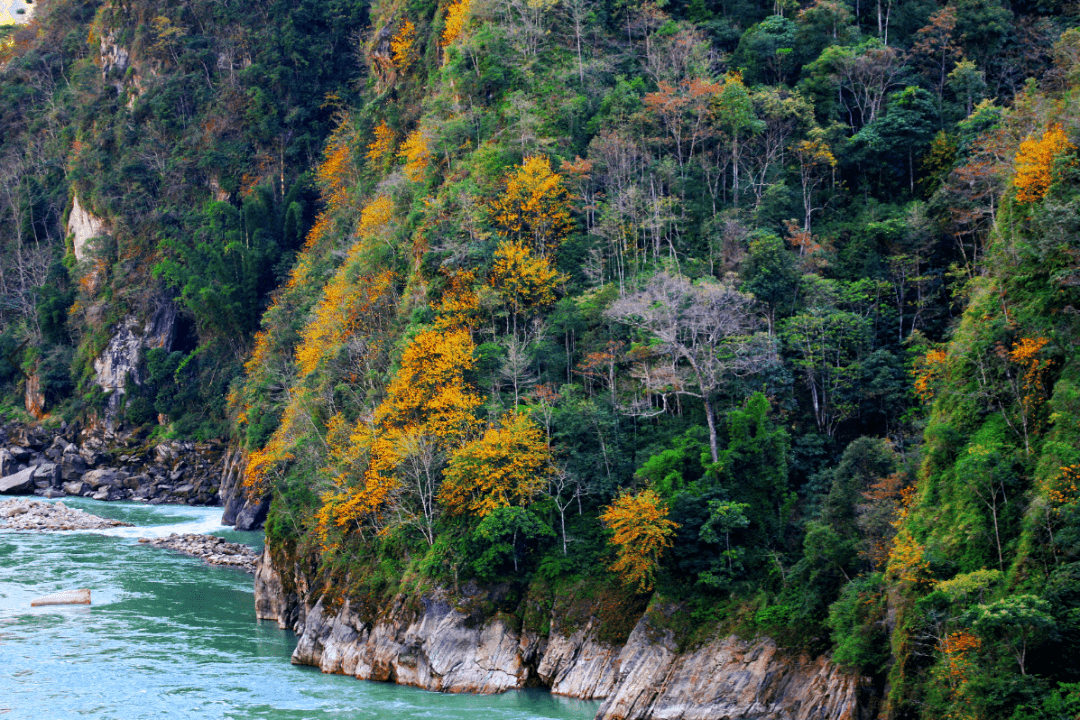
(252, 516)
(72, 467)
(21, 483)
(20, 454)
(75, 487)
(102, 494)
(47, 471)
(97, 478)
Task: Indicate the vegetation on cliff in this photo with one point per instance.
(765, 309)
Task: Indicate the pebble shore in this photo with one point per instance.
(26, 514)
(211, 549)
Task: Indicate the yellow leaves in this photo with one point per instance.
(430, 388)
(907, 561)
(1035, 163)
(416, 154)
(508, 466)
(929, 371)
(401, 45)
(521, 279)
(382, 146)
(335, 173)
(814, 152)
(427, 398)
(375, 216)
(534, 207)
(348, 304)
(642, 532)
(456, 17)
(459, 304)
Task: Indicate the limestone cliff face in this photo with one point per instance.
(433, 644)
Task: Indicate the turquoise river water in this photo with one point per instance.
(170, 637)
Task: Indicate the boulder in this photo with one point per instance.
(47, 472)
(21, 483)
(72, 467)
(20, 454)
(97, 478)
(253, 515)
(75, 487)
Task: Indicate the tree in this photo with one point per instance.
(534, 206)
(641, 533)
(826, 345)
(506, 467)
(524, 281)
(704, 325)
(1035, 163)
(1019, 620)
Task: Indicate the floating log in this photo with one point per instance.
(67, 597)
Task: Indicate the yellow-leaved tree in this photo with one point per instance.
(534, 207)
(385, 467)
(1035, 163)
(523, 280)
(508, 466)
(642, 531)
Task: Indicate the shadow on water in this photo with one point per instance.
(170, 637)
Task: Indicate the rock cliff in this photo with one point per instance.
(431, 642)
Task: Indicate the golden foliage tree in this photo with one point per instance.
(429, 409)
(523, 280)
(642, 532)
(417, 155)
(534, 206)
(1035, 163)
(456, 17)
(402, 45)
(349, 303)
(383, 144)
(509, 465)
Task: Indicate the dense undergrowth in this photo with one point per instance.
(760, 317)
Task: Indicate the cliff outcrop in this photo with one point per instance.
(434, 642)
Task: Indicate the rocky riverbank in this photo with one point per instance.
(432, 643)
(211, 549)
(26, 514)
(105, 465)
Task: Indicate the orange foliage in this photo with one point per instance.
(263, 463)
(534, 206)
(521, 279)
(348, 304)
(642, 532)
(459, 304)
(957, 648)
(401, 45)
(383, 144)
(456, 17)
(417, 155)
(375, 216)
(508, 466)
(1035, 163)
(427, 397)
(928, 371)
(1064, 487)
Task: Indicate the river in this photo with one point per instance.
(170, 637)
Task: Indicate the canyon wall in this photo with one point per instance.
(435, 642)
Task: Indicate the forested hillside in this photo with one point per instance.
(765, 310)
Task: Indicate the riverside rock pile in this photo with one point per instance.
(211, 549)
(25, 514)
(90, 462)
